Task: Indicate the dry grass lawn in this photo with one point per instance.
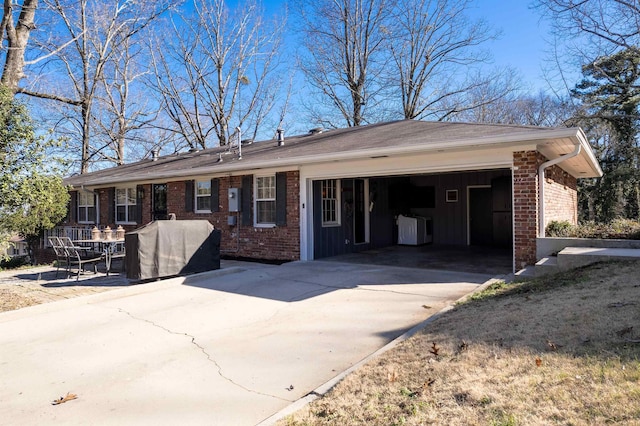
(562, 350)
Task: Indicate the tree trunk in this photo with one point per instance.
(17, 38)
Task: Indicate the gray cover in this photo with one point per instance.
(171, 247)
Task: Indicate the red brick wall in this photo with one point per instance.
(525, 206)
(103, 197)
(560, 196)
(277, 243)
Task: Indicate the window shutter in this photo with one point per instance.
(247, 200)
(139, 192)
(215, 195)
(111, 206)
(281, 199)
(188, 195)
(72, 214)
(96, 203)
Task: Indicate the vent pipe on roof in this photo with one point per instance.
(154, 154)
(280, 136)
(543, 166)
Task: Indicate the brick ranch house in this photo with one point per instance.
(340, 191)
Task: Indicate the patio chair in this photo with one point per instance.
(80, 256)
(61, 254)
(117, 253)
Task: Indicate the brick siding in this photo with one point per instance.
(525, 206)
(275, 243)
(560, 196)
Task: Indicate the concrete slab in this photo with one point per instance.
(212, 348)
(573, 257)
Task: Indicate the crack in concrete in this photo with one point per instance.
(202, 349)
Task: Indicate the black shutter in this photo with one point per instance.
(111, 205)
(96, 208)
(215, 195)
(72, 214)
(188, 195)
(247, 200)
(139, 192)
(281, 199)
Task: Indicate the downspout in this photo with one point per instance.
(541, 169)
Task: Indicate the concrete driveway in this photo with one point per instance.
(217, 348)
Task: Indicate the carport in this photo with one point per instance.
(467, 217)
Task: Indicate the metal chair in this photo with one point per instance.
(79, 256)
(61, 254)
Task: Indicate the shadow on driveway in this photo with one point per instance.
(297, 281)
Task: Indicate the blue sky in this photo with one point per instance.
(522, 44)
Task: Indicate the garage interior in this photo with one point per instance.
(464, 220)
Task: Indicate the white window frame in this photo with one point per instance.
(196, 196)
(257, 200)
(334, 199)
(84, 205)
(126, 205)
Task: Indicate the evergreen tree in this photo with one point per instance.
(610, 94)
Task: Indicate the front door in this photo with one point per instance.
(159, 201)
(480, 217)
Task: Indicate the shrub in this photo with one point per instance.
(624, 229)
(14, 262)
(560, 229)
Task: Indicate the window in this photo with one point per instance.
(86, 207)
(203, 196)
(330, 202)
(265, 200)
(125, 205)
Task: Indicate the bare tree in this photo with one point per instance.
(615, 23)
(344, 56)
(539, 109)
(123, 113)
(17, 35)
(218, 71)
(79, 69)
(432, 43)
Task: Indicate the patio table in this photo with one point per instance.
(109, 248)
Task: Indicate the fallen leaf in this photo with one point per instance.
(538, 362)
(426, 306)
(434, 349)
(392, 376)
(63, 399)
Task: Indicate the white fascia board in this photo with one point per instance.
(192, 174)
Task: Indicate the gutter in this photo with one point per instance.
(541, 169)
